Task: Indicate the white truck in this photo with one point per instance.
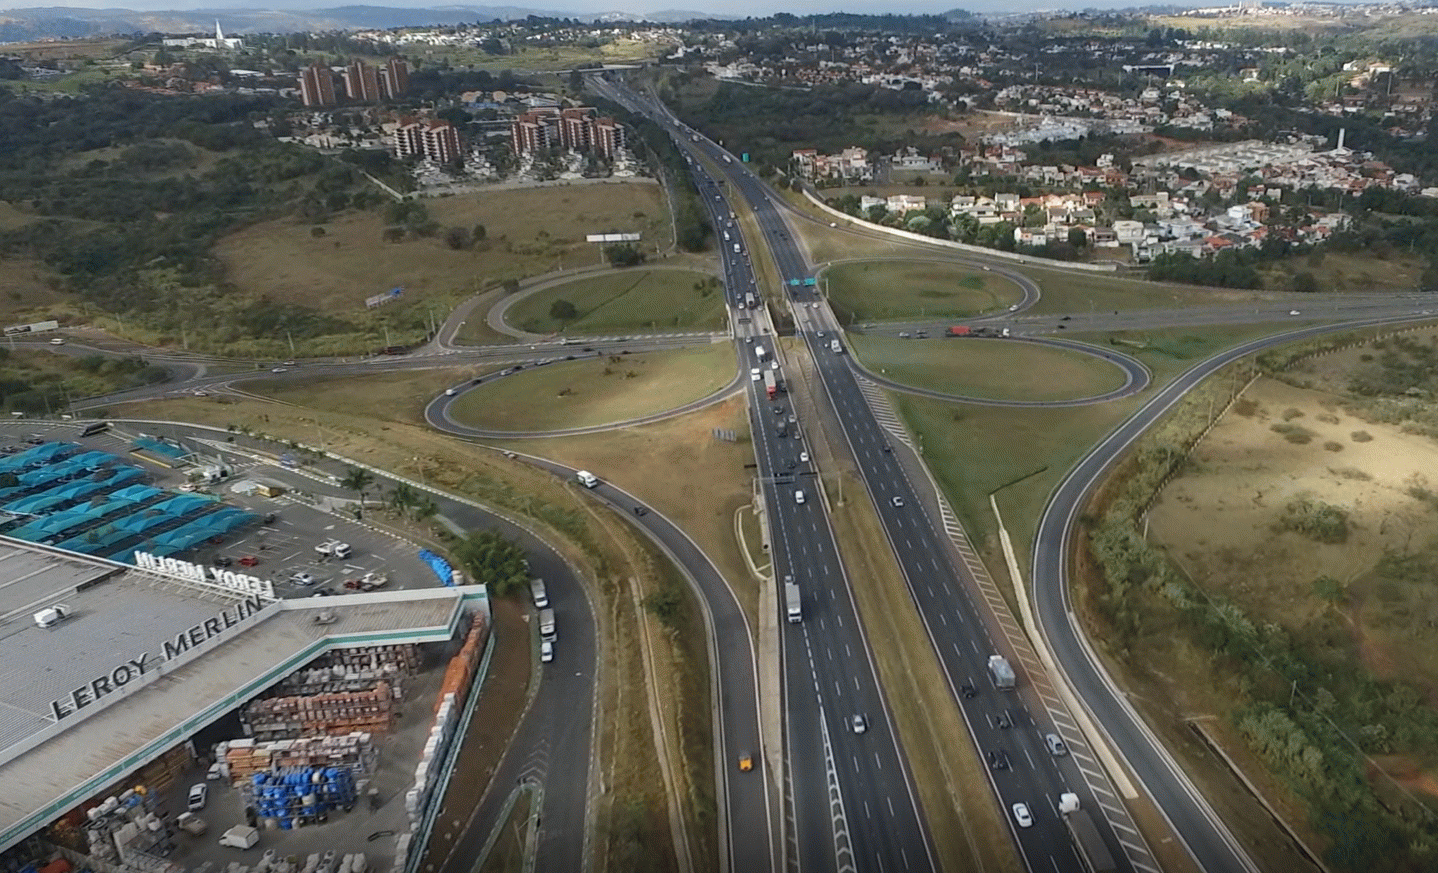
(52, 615)
(1002, 673)
(793, 605)
(761, 353)
(547, 631)
(536, 590)
(587, 479)
(836, 347)
(334, 549)
(737, 250)
(240, 837)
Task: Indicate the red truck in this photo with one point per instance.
(771, 384)
(964, 330)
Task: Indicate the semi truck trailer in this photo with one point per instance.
(793, 606)
(771, 385)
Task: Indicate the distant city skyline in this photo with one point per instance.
(728, 8)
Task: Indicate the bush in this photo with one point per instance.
(1361, 436)
(1316, 520)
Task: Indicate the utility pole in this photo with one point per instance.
(289, 337)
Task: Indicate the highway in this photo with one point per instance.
(848, 794)
(1000, 723)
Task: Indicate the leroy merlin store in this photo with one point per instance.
(120, 682)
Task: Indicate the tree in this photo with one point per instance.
(1077, 237)
(623, 255)
(358, 480)
(490, 559)
(480, 233)
(1305, 281)
(458, 238)
(563, 310)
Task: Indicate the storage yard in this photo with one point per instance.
(257, 734)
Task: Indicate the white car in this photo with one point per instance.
(304, 579)
(755, 375)
(897, 501)
(858, 724)
(803, 457)
(280, 370)
(546, 651)
(57, 341)
(799, 497)
(1294, 312)
(1014, 308)
(1021, 815)
(199, 795)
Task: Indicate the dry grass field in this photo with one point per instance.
(530, 231)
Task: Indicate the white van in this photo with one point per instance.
(587, 479)
(799, 496)
(51, 616)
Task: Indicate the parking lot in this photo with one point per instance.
(303, 514)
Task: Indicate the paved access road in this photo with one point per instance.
(553, 742)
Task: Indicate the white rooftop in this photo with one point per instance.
(69, 730)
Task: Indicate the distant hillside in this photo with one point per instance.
(58, 22)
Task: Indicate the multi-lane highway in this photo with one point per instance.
(1001, 723)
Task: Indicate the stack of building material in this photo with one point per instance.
(371, 711)
(352, 670)
(242, 759)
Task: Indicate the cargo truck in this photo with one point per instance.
(547, 631)
(836, 347)
(961, 330)
(794, 608)
(1088, 844)
(52, 616)
(761, 353)
(771, 385)
(1001, 671)
(587, 479)
(536, 590)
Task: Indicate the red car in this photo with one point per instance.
(249, 561)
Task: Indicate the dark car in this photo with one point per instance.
(999, 760)
(639, 510)
(969, 692)
(224, 561)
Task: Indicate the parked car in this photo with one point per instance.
(199, 795)
(546, 651)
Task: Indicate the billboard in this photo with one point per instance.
(381, 299)
(37, 327)
(612, 237)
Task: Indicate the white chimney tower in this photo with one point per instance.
(1341, 132)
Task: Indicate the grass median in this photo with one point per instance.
(647, 299)
(878, 290)
(968, 829)
(589, 391)
(998, 369)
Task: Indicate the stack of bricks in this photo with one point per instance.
(337, 713)
(244, 758)
(352, 670)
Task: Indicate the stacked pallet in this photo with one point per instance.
(460, 675)
(161, 774)
(242, 759)
(352, 670)
(343, 712)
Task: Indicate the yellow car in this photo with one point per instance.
(746, 762)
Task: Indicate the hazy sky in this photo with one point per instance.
(721, 7)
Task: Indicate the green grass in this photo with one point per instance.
(1083, 291)
(974, 450)
(592, 392)
(988, 368)
(877, 290)
(635, 299)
